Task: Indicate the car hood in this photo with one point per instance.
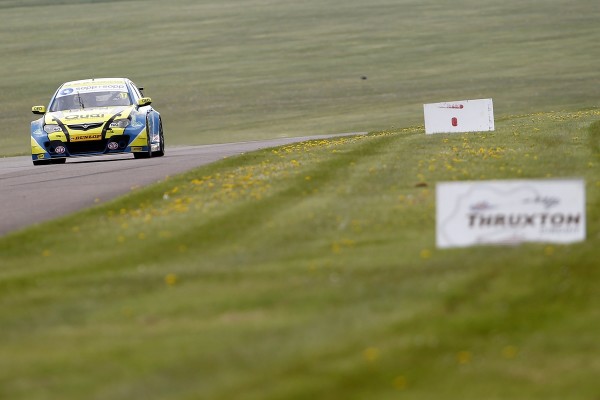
(88, 115)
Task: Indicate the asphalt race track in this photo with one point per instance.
(31, 194)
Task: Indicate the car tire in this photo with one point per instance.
(161, 149)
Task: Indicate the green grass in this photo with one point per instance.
(310, 271)
(251, 69)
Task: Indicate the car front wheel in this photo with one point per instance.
(161, 149)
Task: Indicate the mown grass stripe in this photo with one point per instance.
(329, 285)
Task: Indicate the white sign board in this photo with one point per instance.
(509, 212)
(459, 116)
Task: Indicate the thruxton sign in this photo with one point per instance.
(507, 212)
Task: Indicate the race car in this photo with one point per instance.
(93, 117)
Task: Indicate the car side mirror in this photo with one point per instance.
(38, 110)
(144, 101)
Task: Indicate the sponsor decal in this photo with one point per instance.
(88, 88)
(508, 212)
(38, 132)
(113, 145)
(137, 149)
(135, 123)
(81, 138)
(99, 88)
(456, 106)
(83, 116)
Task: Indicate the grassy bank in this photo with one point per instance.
(251, 69)
(310, 271)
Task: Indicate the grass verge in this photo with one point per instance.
(310, 271)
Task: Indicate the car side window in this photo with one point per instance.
(136, 92)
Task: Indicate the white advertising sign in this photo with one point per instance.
(459, 116)
(509, 212)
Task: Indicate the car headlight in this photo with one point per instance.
(119, 123)
(52, 128)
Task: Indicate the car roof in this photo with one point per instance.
(95, 81)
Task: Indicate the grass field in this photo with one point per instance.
(307, 271)
(250, 69)
(310, 271)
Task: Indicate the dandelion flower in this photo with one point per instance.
(464, 357)
(400, 382)
(509, 352)
(171, 279)
(425, 254)
(371, 354)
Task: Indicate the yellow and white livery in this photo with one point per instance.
(96, 116)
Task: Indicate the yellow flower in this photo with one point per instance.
(464, 357)
(400, 382)
(425, 254)
(510, 352)
(371, 354)
(336, 248)
(171, 279)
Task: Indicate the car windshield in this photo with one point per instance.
(77, 100)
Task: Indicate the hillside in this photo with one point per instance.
(241, 70)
